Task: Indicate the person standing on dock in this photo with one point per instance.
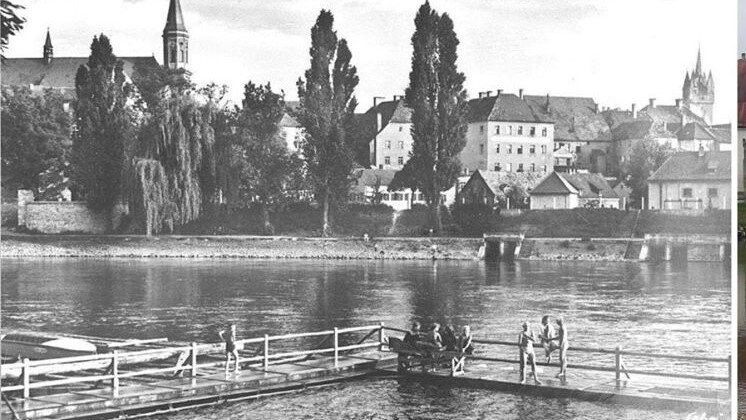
(526, 349)
(563, 345)
(229, 336)
(548, 340)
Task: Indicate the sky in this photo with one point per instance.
(617, 51)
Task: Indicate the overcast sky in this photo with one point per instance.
(617, 52)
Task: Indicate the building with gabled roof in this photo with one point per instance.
(492, 187)
(691, 181)
(387, 126)
(561, 190)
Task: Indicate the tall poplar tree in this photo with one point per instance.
(103, 126)
(438, 100)
(326, 107)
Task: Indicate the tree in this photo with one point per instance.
(646, 156)
(103, 126)
(438, 101)
(267, 168)
(326, 108)
(10, 22)
(36, 141)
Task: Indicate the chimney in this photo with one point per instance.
(488, 93)
(678, 103)
(652, 102)
(499, 91)
(595, 108)
(634, 111)
(481, 95)
(520, 93)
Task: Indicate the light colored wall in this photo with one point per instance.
(69, 216)
(554, 202)
(394, 133)
(659, 193)
(481, 146)
(293, 137)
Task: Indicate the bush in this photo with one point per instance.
(565, 244)
(473, 219)
(591, 247)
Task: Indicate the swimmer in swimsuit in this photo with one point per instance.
(229, 337)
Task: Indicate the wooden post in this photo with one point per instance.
(730, 361)
(336, 347)
(381, 337)
(115, 372)
(266, 351)
(194, 360)
(618, 365)
(26, 379)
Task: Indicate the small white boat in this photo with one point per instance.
(42, 346)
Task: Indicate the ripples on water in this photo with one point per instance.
(646, 307)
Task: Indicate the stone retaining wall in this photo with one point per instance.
(65, 216)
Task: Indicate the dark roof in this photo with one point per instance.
(690, 166)
(722, 132)
(391, 112)
(670, 114)
(58, 73)
(174, 19)
(574, 118)
(615, 117)
(495, 179)
(372, 177)
(632, 129)
(588, 185)
(503, 107)
(696, 131)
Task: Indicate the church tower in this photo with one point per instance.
(175, 39)
(699, 91)
(48, 49)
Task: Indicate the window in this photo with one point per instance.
(497, 149)
(182, 57)
(544, 132)
(396, 197)
(400, 128)
(510, 130)
(481, 149)
(520, 149)
(385, 196)
(497, 167)
(509, 167)
(497, 130)
(387, 160)
(510, 149)
(532, 167)
(481, 129)
(543, 149)
(400, 160)
(401, 145)
(686, 193)
(532, 131)
(520, 130)
(543, 168)
(577, 149)
(532, 149)
(712, 192)
(520, 167)
(388, 144)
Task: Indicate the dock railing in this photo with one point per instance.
(619, 368)
(112, 363)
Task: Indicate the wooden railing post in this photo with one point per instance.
(194, 360)
(730, 361)
(266, 351)
(618, 365)
(336, 347)
(381, 337)
(26, 379)
(115, 373)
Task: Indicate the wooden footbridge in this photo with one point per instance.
(168, 377)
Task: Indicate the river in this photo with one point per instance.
(681, 309)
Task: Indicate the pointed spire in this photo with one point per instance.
(698, 67)
(174, 20)
(48, 42)
(48, 48)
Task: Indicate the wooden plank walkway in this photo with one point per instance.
(155, 394)
(583, 385)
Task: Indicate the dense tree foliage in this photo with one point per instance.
(645, 157)
(103, 126)
(438, 101)
(326, 108)
(36, 141)
(10, 22)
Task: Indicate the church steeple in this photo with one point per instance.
(699, 91)
(175, 38)
(48, 49)
(698, 66)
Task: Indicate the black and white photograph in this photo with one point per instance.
(347, 209)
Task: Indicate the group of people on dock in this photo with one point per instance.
(550, 339)
(440, 339)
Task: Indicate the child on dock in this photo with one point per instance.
(526, 349)
(230, 346)
(563, 345)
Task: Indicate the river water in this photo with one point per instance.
(679, 309)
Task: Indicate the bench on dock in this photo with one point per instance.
(424, 354)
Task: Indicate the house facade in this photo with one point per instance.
(560, 190)
(691, 181)
(389, 126)
(505, 135)
(493, 188)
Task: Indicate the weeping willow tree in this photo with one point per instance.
(174, 167)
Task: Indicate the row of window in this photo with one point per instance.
(399, 160)
(687, 192)
(509, 167)
(519, 130)
(388, 144)
(508, 149)
(397, 196)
